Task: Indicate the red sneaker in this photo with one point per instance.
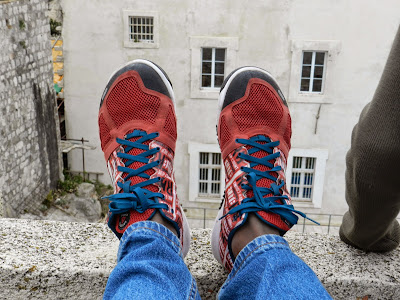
(254, 131)
(137, 127)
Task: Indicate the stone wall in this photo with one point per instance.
(29, 134)
(74, 260)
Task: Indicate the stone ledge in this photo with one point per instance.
(58, 260)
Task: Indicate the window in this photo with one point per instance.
(141, 29)
(212, 67)
(206, 174)
(305, 176)
(212, 58)
(313, 62)
(209, 174)
(312, 71)
(302, 178)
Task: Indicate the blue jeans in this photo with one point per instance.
(150, 266)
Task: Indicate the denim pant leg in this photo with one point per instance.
(267, 269)
(150, 266)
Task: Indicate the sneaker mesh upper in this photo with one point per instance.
(288, 132)
(128, 91)
(104, 132)
(170, 123)
(254, 112)
(225, 135)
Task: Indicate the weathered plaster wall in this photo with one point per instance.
(29, 134)
(265, 32)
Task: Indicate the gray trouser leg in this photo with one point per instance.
(373, 166)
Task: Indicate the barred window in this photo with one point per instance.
(302, 180)
(209, 174)
(141, 29)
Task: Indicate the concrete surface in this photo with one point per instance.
(59, 260)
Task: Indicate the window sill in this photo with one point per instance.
(143, 45)
(208, 200)
(205, 93)
(303, 204)
(312, 98)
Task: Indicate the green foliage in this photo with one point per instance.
(22, 44)
(22, 24)
(53, 27)
(48, 202)
(103, 190)
(69, 185)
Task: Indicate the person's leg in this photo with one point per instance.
(254, 132)
(266, 268)
(138, 133)
(150, 266)
(373, 164)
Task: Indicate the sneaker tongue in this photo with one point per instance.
(135, 165)
(263, 182)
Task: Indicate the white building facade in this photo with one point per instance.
(327, 57)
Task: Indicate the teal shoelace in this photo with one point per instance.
(135, 196)
(260, 201)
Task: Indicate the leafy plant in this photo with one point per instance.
(22, 44)
(53, 27)
(70, 185)
(22, 24)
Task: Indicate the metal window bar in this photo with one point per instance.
(141, 29)
(302, 181)
(209, 174)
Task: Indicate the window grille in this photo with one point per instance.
(209, 174)
(312, 71)
(302, 181)
(141, 29)
(212, 67)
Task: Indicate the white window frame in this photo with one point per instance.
(312, 78)
(321, 156)
(213, 62)
(128, 43)
(231, 45)
(332, 49)
(194, 150)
